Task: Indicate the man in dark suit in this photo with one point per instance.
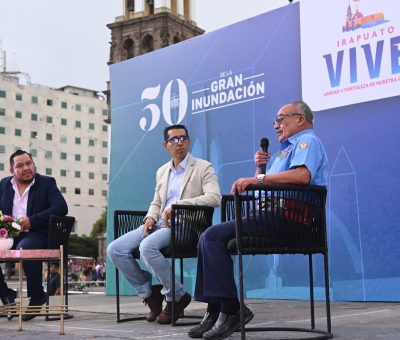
(31, 198)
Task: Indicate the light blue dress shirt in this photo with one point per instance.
(302, 149)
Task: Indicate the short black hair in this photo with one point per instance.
(18, 153)
(174, 127)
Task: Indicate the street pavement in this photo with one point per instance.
(94, 317)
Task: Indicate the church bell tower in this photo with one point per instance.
(148, 25)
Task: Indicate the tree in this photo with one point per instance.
(100, 226)
(83, 246)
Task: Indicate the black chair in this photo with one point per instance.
(60, 228)
(291, 220)
(187, 223)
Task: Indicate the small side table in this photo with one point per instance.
(35, 255)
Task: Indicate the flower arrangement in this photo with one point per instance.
(9, 228)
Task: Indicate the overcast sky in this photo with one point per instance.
(60, 42)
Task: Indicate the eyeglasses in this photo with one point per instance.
(279, 119)
(177, 139)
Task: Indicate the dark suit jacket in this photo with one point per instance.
(44, 200)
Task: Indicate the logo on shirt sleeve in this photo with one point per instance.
(303, 145)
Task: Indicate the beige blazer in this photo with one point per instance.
(199, 187)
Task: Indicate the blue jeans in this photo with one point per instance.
(120, 253)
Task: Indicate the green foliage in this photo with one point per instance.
(83, 246)
(99, 227)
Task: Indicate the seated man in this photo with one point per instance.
(31, 198)
(54, 279)
(183, 180)
(301, 160)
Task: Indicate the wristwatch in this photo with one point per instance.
(260, 178)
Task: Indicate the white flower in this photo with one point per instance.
(16, 226)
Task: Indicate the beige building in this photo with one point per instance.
(65, 132)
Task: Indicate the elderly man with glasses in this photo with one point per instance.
(301, 160)
(183, 180)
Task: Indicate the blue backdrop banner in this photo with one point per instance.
(226, 87)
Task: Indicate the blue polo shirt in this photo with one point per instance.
(302, 149)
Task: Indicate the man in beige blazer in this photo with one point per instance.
(183, 180)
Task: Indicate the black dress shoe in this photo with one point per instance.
(9, 300)
(227, 324)
(34, 302)
(206, 324)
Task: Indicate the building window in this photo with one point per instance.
(1, 166)
(63, 155)
(77, 140)
(49, 102)
(78, 107)
(34, 152)
(63, 190)
(91, 109)
(64, 121)
(18, 132)
(91, 175)
(104, 160)
(77, 174)
(77, 157)
(105, 112)
(104, 193)
(48, 155)
(104, 128)
(2, 148)
(63, 173)
(104, 144)
(49, 119)
(18, 97)
(104, 177)
(91, 192)
(64, 105)
(91, 142)
(49, 136)
(33, 134)
(77, 123)
(77, 191)
(63, 139)
(18, 114)
(2, 130)
(34, 100)
(34, 117)
(2, 111)
(91, 126)
(49, 171)
(91, 159)
(2, 94)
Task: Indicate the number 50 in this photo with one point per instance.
(151, 93)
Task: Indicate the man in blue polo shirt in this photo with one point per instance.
(301, 160)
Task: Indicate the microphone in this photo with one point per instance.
(264, 143)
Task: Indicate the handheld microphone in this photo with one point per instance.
(264, 143)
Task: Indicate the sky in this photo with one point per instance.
(66, 42)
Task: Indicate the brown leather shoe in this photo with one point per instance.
(154, 301)
(166, 315)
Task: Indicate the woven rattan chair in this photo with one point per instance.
(290, 220)
(187, 223)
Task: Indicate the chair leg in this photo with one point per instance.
(241, 297)
(117, 293)
(173, 291)
(311, 275)
(327, 297)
